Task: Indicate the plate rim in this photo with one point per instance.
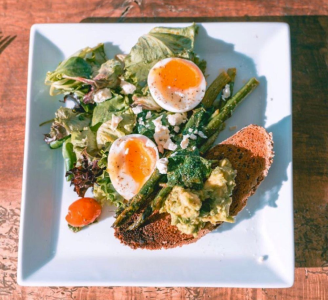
(25, 281)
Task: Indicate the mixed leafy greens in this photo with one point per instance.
(111, 100)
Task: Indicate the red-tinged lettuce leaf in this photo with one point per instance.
(85, 175)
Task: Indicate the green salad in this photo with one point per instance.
(139, 128)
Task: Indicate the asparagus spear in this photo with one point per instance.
(156, 204)
(227, 110)
(138, 200)
(210, 141)
(232, 74)
(215, 88)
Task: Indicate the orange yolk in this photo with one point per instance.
(179, 74)
(139, 160)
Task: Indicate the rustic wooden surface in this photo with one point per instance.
(309, 33)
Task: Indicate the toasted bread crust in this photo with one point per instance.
(250, 152)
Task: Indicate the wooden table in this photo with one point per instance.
(309, 32)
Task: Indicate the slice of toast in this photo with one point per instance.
(250, 152)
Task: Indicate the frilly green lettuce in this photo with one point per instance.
(66, 121)
(159, 43)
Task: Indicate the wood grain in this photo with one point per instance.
(310, 123)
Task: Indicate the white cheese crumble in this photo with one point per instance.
(148, 115)
(202, 135)
(102, 95)
(193, 137)
(170, 145)
(137, 109)
(185, 141)
(177, 119)
(115, 121)
(127, 87)
(226, 92)
(162, 136)
(176, 129)
(140, 121)
(190, 129)
(161, 165)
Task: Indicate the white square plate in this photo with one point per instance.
(256, 251)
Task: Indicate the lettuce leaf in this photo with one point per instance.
(72, 74)
(84, 144)
(107, 134)
(66, 121)
(84, 175)
(104, 110)
(105, 193)
(159, 43)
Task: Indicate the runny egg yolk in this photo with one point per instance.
(178, 74)
(139, 161)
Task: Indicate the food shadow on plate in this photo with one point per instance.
(221, 55)
(268, 192)
(43, 189)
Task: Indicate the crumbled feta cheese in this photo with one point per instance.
(177, 119)
(176, 129)
(158, 122)
(140, 121)
(127, 151)
(137, 109)
(190, 129)
(102, 95)
(115, 121)
(226, 92)
(162, 136)
(161, 165)
(170, 145)
(127, 87)
(185, 141)
(148, 115)
(193, 137)
(202, 135)
(196, 131)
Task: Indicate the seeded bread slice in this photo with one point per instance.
(250, 152)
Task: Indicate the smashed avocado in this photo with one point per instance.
(190, 209)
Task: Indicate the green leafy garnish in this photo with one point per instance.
(188, 169)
